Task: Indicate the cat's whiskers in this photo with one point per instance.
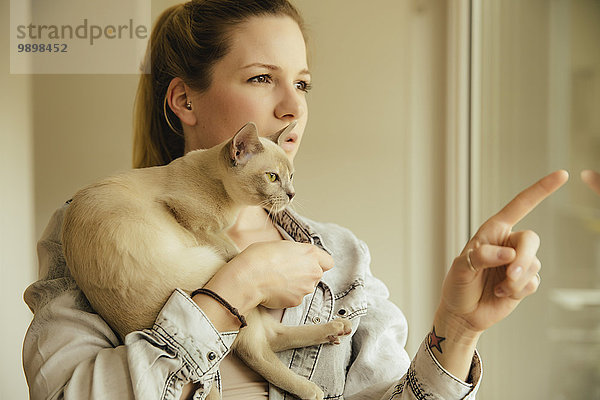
(267, 219)
(264, 203)
(270, 214)
(267, 206)
(297, 205)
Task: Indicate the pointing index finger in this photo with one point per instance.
(529, 198)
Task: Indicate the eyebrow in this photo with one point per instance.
(273, 67)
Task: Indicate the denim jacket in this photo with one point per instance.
(70, 352)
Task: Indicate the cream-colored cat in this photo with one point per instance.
(131, 239)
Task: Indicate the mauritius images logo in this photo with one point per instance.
(79, 36)
(86, 31)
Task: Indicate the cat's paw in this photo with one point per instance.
(311, 392)
(339, 327)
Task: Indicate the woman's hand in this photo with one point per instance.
(503, 265)
(273, 274)
(495, 271)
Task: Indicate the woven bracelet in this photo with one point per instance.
(224, 302)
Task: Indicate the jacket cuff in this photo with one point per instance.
(427, 377)
(184, 326)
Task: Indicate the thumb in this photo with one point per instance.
(487, 256)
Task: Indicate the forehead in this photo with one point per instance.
(273, 40)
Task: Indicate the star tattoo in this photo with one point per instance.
(435, 340)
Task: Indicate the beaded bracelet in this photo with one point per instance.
(224, 302)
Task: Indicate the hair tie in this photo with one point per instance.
(223, 302)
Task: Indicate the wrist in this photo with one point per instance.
(218, 307)
(215, 296)
(231, 283)
(457, 332)
(452, 342)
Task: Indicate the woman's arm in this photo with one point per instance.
(496, 270)
(69, 352)
(381, 368)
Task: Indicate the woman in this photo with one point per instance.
(213, 66)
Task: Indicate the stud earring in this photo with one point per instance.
(188, 105)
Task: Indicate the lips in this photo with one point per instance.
(290, 142)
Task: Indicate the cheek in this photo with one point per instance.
(240, 107)
(303, 120)
(223, 113)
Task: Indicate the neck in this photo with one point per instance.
(250, 218)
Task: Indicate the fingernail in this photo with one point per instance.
(499, 292)
(516, 272)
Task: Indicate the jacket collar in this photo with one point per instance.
(298, 229)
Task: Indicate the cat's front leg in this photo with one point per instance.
(282, 337)
(214, 393)
(254, 350)
(252, 346)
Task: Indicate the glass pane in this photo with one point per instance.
(538, 105)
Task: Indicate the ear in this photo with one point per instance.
(177, 97)
(245, 144)
(282, 135)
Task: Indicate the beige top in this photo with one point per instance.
(239, 381)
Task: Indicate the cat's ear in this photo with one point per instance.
(282, 135)
(245, 144)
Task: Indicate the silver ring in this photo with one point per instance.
(539, 278)
(469, 260)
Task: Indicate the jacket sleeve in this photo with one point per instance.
(381, 367)
(69, 352)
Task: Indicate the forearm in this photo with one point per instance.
(71, 352)
(231, 285)
(453, 345)
(382, 369)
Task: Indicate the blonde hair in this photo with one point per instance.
(186, 41)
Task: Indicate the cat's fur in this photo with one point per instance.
(131, 239)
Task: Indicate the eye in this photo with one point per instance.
(303, 86)
(291, 176)
(272, 177)
(263, 78)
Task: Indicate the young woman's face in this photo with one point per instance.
(263, 79)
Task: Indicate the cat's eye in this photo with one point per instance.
(273, 177)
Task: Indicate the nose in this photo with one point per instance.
(290, 195)
(291, 104)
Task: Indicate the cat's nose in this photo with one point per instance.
(291, 195)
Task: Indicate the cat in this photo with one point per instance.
(130, 240)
